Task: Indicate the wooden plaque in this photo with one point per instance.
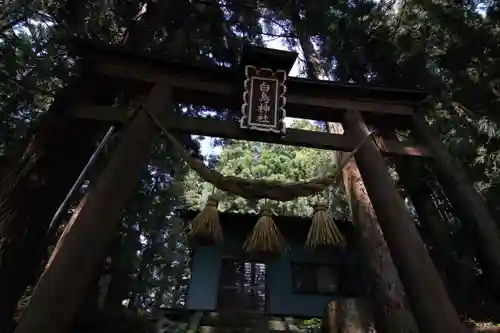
(264, 100)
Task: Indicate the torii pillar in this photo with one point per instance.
(64, 282)
(429, 301)
(464, 198)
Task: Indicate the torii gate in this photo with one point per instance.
(82, 245)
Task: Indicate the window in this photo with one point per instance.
(314, 279)
(242, 286)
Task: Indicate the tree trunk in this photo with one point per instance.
(72, 266)
(346, 315)
(390, 309)
(30, 194)
(329, 322)
(89, 308)
(120, 267)
(426, 292)
(33, 188)
(353, 316)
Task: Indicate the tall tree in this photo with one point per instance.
(383, 285)
(59, 140)
(445, 46)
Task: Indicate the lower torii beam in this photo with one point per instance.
(69, 271)
(427, 295)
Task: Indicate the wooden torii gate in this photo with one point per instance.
(83, 244)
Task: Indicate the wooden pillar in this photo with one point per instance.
(411, 175)
(428, 299)
(454, 273)
(464, 198)
(346, 315)
(390, 309)
(69, 271)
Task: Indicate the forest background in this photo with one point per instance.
(451, 48)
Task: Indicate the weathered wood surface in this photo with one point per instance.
(389, 304)
(231, 130)
(218, 93)
(33, 187)
(220, 87)
(349, 315)
(424, 198)
(427, 295)
(69, 271)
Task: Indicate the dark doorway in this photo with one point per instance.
(242, 286)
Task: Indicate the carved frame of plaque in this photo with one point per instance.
(253, 111)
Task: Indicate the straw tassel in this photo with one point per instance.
(205, 227)
(323, 230)
(265, 237)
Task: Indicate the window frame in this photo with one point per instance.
(314, 268)
(220, 285)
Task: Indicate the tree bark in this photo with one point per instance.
(390, 309)
(352, 316)
(72, 266)
(88, 311)
(30, 194)
(427, 295)
(347, 315)
(329, 322)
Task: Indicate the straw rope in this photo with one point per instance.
(323, 230)
(205, 227)
(265, 236)
(258, 189)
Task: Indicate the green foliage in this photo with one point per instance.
(255, 160)
(150, 245)
(311, 325)
(445, 46)
(30, 73)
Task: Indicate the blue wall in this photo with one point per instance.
(205, 268)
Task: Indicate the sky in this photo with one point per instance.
(272, 43)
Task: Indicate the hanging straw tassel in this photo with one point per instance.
(323, 230)
(266, 239)
(205, 227)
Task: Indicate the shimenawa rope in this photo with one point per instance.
(258, 189)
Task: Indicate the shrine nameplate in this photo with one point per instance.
(264, 100)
